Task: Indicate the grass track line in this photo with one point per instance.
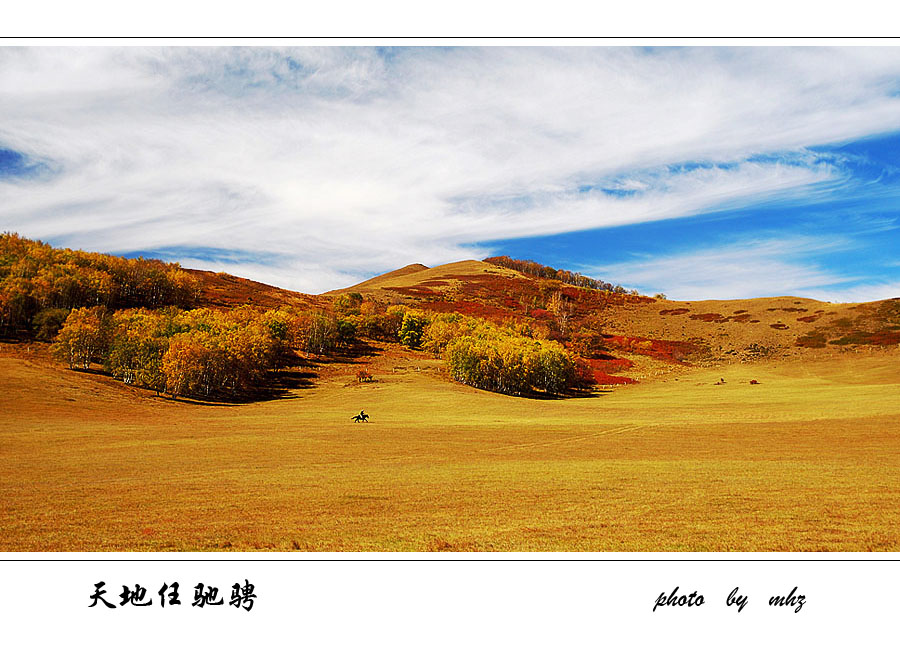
(539, 444)
(583, 437)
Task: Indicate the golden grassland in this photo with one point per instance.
(809, 459)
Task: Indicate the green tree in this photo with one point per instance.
(48, 322)
(412, 329)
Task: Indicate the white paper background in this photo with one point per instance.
(483, 602)
(458, 601)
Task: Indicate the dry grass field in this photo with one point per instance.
(807, 460)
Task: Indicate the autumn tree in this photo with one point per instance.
(560, 306)
(139, 342)
(502, 358)
(35, 276)
(191, 364)
(83, 337)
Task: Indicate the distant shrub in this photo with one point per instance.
(816, 340)
(758, 350)
(709, 317)
(879, 338)
(348, 303)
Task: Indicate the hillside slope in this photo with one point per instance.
(377, 282)
(644, 331)
(621, 336)
(221, 290)
(417, 281)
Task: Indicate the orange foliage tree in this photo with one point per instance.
(36, 276)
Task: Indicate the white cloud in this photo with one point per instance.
(864, 292)
(340, 162)
(773, 267)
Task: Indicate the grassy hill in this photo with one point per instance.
(754, 425)
(654, 335)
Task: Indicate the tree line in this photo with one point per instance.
(535, 269)
(40, 284)
(200, 352)
(207, 353)
(135, 318)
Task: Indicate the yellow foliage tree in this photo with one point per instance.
(83, 337)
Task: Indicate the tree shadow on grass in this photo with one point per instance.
(351, 354)
(281, 385)
(566, 395)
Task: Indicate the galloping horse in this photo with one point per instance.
(362, 417)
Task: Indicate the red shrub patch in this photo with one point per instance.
(475, 309)
(668, 350)
(808, 318)
(605, 379)
(609, 364)
(675, 311)
(878, 338)
(779, 326)
(413, 291)
(812, 341)
(710, 317)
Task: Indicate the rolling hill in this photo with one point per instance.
(753, 425)
(641, 328)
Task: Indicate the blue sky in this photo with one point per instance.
(699, 172)
(842, 243)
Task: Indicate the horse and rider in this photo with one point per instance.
(362, 417)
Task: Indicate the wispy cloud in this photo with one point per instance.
(773, 267)
(320, 166)
(861, 292)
